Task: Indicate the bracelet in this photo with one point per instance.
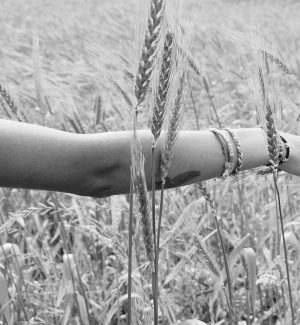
(272, 166)
(227, 150)
(239, 150)
(287, 148)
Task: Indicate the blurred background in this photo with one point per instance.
(71, 65)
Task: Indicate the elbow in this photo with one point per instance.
(106, 182)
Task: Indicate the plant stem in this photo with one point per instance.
(155, 271)
(153, 190)
(211, 101)
(157, 247)
(160, 217)
(231, 297)
(193, 102)
(284, 248)
(130, 233)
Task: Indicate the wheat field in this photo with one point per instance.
(72, 66)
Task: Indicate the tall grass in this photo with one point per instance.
(56, 70)
(272, 136)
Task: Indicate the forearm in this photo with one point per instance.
(99, 164)
(198, 156)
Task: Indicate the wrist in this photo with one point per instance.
(292, 165)
(254, 146)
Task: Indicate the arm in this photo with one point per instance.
(98, 165)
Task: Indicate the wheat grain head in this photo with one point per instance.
(161, 96)
(139, 181)
(149, 50)
(173, 130)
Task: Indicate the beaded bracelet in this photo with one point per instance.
(273, 165)
(227, 150)
(239, 150)
(287, 148)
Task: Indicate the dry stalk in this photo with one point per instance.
(207, 259)
(159, 112)
(272, 140)
(149, 50)
(12, 105)
(98, 109)
(271, 130)
(160, 108)
(139, 181)
(280, 64)
(8, 99)
(209, 199)
(173, 130)
(79, 123)
(161, 98)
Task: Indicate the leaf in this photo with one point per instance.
(179, 266)
(68, 309)
(118, 205)
(68, 275)
(185, 216)
(191, 322)
(82, 309)
(68, 266)
(235, 254)
(4, 300)
(250, 267)
(115, 306)
(11, 252)
(292, 241)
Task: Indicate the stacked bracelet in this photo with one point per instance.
(227, 149)
(238, 149)
(287, 149)
(273, 165)
(229, 138)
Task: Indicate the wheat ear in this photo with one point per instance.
(8, 99)
(11, 104)
(161, 98)
(271, 131)
(149, 50)
(207, 259)
(139, 181)
(159, 111)
(272, 140)
(209, 199)
(173, 130)
(280, 64)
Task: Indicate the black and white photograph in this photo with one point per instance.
(149, 162)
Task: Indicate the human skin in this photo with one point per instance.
(98, 165)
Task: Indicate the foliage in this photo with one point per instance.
(63, 258)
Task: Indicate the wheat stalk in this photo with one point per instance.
(209, 199)
(280, 64)
(159, 112)
(149, 50)
(161, 99)
(249, 263)
(79, 123)
(139, 182)
(173, 130)
(271, 130)
(207, 259)
(98, 109)
(12, 105)
(272, 140)
(8, 99)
